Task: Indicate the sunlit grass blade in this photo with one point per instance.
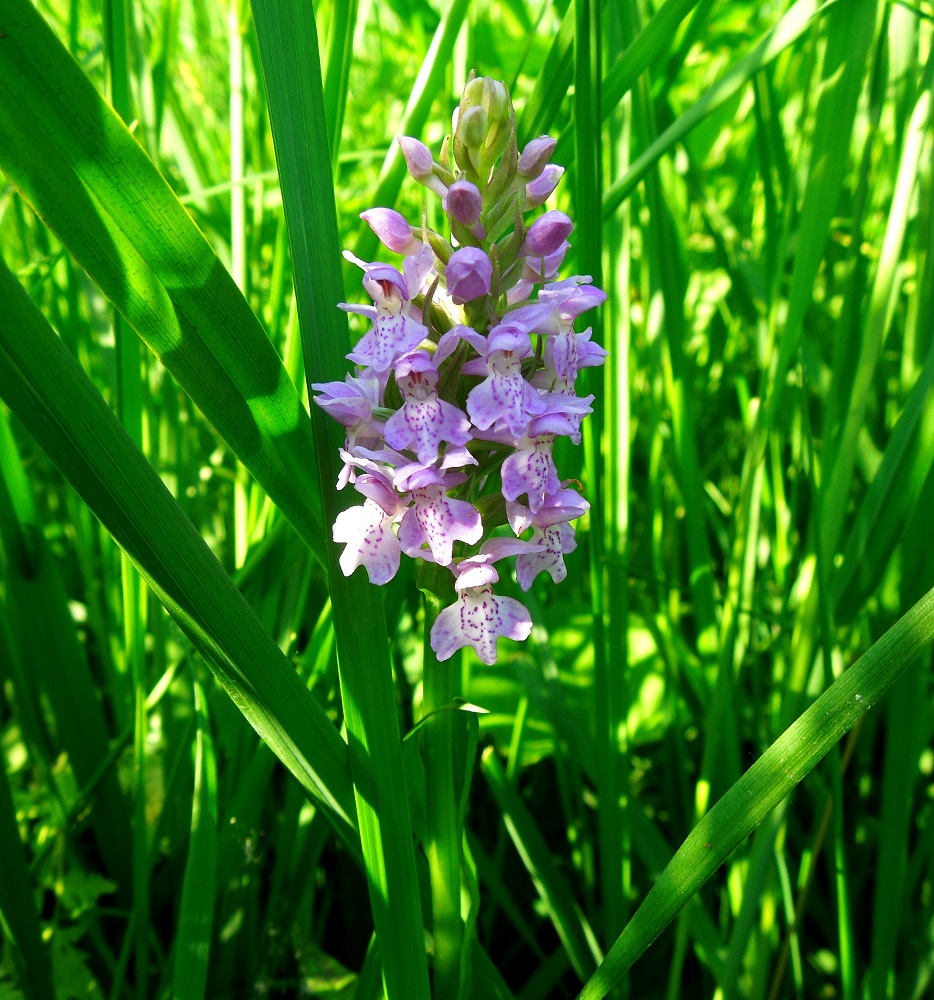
(551, 84)
(44, 386)
(88, 179)
(892, 497)
(654, 37)
(288, 44)
(787, 31)
(765, 784)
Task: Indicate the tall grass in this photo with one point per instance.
(649, 798)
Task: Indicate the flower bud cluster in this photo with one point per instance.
(466, 378)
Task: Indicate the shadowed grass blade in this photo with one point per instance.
(18, 918)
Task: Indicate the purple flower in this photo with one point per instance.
(439, 522)
(552, 537)
(394, 331)
(367, 531)
(424, 420)
(537, 192)
(393, 231)
(421, 164)
(468, 275)
(505, 395)
(477, 619)
(464, 203)
(546, 234)
(531, 469)
(535, 156)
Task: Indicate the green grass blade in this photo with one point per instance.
(654, 37)
(569, 922)
(787, 31)
(19, 920)
(197, 906)
(892, 497)
(88, 179)
(551, 85)
(765, 784)
(881, 308)
(44, 386)
(288, 44)
(56, 678)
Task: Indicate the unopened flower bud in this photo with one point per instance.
(393, 231)
(464, 202)
(421, 165)
(540, 190)
(468, 275)
(546, 235)
(535, 156)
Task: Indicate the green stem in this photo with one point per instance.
(442, 836)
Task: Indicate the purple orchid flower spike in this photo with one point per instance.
(424, 420)
(407, 459)
(367, 532)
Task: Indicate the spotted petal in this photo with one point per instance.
(477, 619)
(369, 541)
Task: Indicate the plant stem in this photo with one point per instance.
(442, 836)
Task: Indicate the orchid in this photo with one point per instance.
(465, 380)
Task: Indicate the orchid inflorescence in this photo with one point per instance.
(458, 441)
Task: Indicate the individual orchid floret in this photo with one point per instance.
(552, 535)
(568, 299)
(565, 355)
(477, 619)
(393, 231)
(367, 532)
(464, 203)
(424, 420)
(438, 521)
(537, 192)
(351, 402)
(468, 275)
(394, 331)
(546, 234)
(533, 273)
(505, 395)
(531, 470)
(421, 164)
(535, 157)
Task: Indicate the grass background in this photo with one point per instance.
(751, 183)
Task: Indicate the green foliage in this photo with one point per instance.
(655, 776)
